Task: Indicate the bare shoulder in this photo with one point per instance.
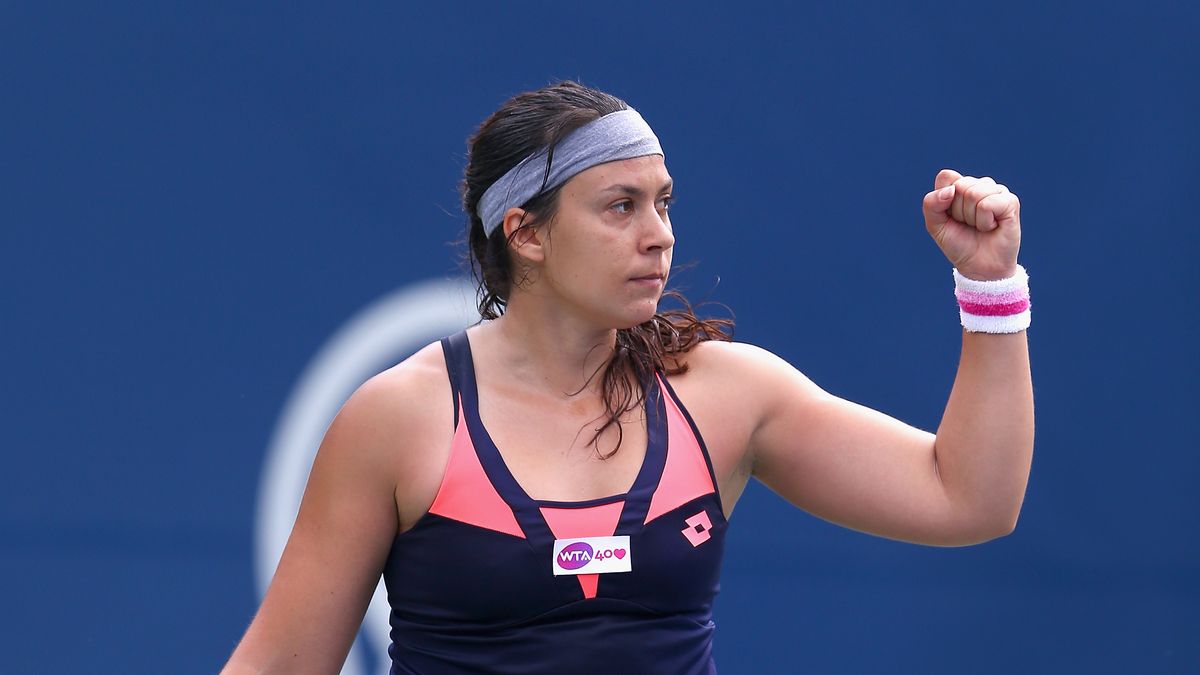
(743, 370)
(402, 397)
(743, 385)
(731, 389)
(720, 353)
(408, 392)
(400, 424)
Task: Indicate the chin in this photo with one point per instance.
(636, 317)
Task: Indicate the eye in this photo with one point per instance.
(665, 202)
(625, 206)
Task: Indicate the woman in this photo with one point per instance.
(536, 493)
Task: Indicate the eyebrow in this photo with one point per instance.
(635, 191)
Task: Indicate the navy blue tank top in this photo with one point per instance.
(472, 584)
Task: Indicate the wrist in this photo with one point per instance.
(992, 274)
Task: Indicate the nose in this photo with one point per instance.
(658, 234)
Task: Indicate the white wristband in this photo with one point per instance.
(1000, 306)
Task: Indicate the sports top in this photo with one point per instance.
(472, 584)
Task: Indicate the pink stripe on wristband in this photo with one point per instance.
(984, 298)
(1001, 309)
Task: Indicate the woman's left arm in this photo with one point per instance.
(860, 468)
(985, 441)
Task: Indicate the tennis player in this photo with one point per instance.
(549, 491)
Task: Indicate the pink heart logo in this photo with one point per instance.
(619, 552)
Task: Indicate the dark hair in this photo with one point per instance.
(524, 124)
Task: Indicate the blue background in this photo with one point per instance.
(196, 196)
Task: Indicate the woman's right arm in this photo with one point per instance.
(340, 541)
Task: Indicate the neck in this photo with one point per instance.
(548, 349)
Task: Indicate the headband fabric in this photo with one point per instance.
(615, 136)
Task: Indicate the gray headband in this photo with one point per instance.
(615, 136)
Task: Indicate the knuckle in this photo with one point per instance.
(982, 190)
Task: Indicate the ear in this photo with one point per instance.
(528, 242)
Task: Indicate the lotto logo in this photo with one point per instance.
(697, 529)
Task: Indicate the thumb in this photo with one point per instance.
(946, 177)
(936, 206)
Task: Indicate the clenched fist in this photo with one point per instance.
(977, 224)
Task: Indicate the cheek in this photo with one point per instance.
(595, 260)
(578, 264)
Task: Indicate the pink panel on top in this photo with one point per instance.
(466, 494)
(589, 582)
(588, 521)
(685, 475)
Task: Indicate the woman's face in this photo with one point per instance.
(609, 249)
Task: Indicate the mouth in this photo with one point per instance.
(657, 276)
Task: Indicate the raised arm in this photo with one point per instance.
(343, 532)
(860, 468)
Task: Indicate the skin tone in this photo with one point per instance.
(382, 460)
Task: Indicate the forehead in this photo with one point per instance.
(648, 173)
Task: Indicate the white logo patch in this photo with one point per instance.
(592, 555)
